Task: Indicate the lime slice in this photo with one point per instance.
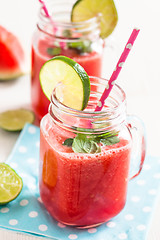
(14, 120)
(74, 89)
(10, 184)
(83, 10)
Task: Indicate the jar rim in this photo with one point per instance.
(62, 21)
(86, 112)
(70, 24)
(110, 118)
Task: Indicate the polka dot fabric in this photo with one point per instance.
(27, 214)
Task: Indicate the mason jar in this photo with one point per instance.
(85, 158)
(80, 41)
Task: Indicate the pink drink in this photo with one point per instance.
(80, 41)
(91, 62)
(86, 188)
(82, 189)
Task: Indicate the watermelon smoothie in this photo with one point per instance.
(82, 189)
(80, 41)
(91, 62)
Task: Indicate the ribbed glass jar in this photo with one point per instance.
(79, 41)
(86, 185)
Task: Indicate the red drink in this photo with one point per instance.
(80, 41)
(91, 62)
(82, 189)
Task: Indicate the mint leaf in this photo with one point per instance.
(68, 142)
(105, 136)
(92, 147)
(54, 51)
(108, 134)
(81, 47)
(110, 140)
(81, 144)
(87, 146)
(78, 144)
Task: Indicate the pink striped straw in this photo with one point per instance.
(117, 70)
(51, 20)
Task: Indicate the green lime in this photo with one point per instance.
(74, 84)
(83, 10)
(14, 120)
(10, 184)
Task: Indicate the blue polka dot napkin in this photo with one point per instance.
(27, 214)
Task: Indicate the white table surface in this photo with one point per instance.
(139, 77)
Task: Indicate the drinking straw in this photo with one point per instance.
(51, 20)
(117, 70)
(45, 9)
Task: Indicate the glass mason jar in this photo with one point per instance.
(79, 41)
(84, 183)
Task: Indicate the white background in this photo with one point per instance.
(140, 77)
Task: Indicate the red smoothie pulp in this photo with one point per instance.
(82, 189)
(91, 62)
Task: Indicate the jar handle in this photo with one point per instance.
(137, 130)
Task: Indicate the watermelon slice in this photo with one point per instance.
(11, 55)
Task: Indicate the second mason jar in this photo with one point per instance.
(79, 41)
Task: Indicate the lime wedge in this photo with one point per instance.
(83, 10)
(74, 89)
(10, 184)
(14, 120)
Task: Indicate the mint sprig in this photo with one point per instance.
(68, 142)
(83, 143)
(54, 51)
(110, 140)
(81, 47)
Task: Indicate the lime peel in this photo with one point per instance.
(83, 10)
(10, 184)
(14, 120)
(75, 89)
